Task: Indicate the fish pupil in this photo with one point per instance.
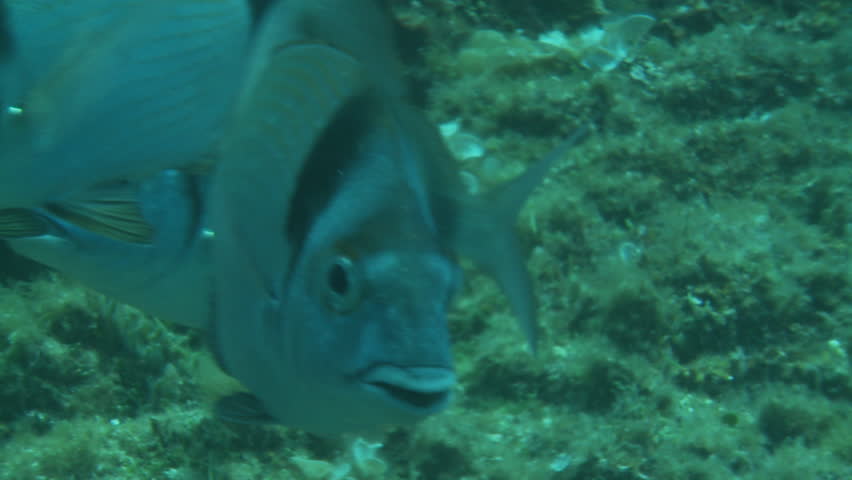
(338, 280)
(341, 290)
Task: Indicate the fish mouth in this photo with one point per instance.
(421, 390)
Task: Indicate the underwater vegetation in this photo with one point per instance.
(691, 260)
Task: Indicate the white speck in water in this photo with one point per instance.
(561, 462)
(629, 252)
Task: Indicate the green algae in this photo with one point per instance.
(692, 261)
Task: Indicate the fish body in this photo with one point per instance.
(320, 254)
(329, 302)
(97, 90)
(339, 215)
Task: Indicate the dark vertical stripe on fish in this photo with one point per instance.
(258, 9)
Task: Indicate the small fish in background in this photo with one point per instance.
(143, 243)
(338, 215)
(97, 90)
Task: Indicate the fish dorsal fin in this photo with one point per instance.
(485, 233)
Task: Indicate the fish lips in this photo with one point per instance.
(419, 390)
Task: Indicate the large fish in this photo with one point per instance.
(326, 244)
(96, 90)
(338, 215)
(143, 242)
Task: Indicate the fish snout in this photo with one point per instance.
(422, 390)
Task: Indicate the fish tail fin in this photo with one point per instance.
(487, 236)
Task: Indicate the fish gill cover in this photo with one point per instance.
(691, 261)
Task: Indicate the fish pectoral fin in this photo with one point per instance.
(21, 223)
(243, 407)
(114, 212)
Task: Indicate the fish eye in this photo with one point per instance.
(342, 288)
